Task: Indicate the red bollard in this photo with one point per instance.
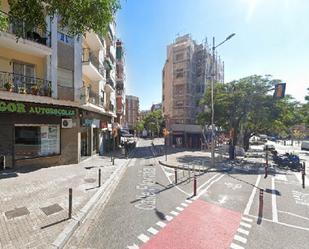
(194, 186)
(175, 176)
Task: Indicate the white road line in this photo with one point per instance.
(207, 182)
(283, 224)
(250, 201)
(246, 219)
(184, 204)
(144, 238)
(298, 176)
(243, 231)
(168, 218)
(296, 215)
(274, 200)
(241, 239)
(245, 224)
(152, 230)
(174, 213)
(234, 246)
(188, 201)
(179, 208)
(133, 246)
(204, 190)
(161, 224)
(170, 181)
(281, 178)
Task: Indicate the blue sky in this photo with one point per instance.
(272, 37)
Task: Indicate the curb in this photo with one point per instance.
(104, 193)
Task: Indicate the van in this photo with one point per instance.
(305, 145)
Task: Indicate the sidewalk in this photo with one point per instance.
(34, 203)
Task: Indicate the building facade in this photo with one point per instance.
(120, 83)
(185, 77)
(132, 112)
(57, 95)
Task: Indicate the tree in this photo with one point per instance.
(246, 107)
(154, 121)
(139, 126)
(79, 16)
(3, 21)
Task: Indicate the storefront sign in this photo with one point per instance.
(29, 108)
(91, 122)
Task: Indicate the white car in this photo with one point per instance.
(305, 145)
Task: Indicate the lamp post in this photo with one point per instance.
(212, 96)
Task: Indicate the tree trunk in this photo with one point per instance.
(247, 136)
(232, 146)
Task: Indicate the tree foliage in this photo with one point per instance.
(247, 107)
(154, 121)
(3, 21)
(140, 126)
(79, 16)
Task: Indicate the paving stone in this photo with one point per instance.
(52, 209)
(17, 212)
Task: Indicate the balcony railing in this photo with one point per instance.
(17, 26)
(88, 56)
(24, 84)
(88, 96)
(109, 107)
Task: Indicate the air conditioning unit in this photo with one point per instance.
(66, 123)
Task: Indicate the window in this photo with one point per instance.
(179, 73)
(65, 38)
(20, 70)
(36, 140)
(179, 56)
(65, 77)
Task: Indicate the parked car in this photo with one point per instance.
(269, 147)
(305, 145)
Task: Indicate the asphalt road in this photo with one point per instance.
(231, 210)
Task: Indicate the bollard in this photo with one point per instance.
(303, 173)
(175, 176)
(266, 165)
(70, 203)
(99, 177)
(113, 160)
(194, 186)
(261, 202)
(189, 174)
(266, 171)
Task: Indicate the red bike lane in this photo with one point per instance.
(200, 226)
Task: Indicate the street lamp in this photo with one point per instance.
(212, 96)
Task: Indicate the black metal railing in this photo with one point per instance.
(19, 27)
(24, 84)
(88, 56)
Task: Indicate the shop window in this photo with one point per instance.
(36, 141)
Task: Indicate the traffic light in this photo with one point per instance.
(279, 90)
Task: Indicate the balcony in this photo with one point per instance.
(88, 96)
(110, 80)
(112, 53)
(109, 107)
(119, 85)
(24, 84)
(92, 67)
(94, 41)
(34, 42)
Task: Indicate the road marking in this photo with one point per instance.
(207, 181)
(174, 213)
(241, 239)
(189, 201)
(179, 208)
(234, 246)
(274, 200)
(243, 231)
(250, 201)
(281, 223)
(281, 178)
(246, 219)
(161, 224)
(299, 178)
(152, 230)
(296, 215)
(133, 247)
(204, 190)
(144, 238)
(184, 204)
(170, 181)
(245, 224)
(168, 218)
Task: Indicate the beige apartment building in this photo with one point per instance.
(185, 77)
(132, 112)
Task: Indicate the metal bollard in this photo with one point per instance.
(176, 180)
(70, 203)
(99, 178)
(194, 186)
(303, 173)
(261, 202)
(266, 171)
(113, 160)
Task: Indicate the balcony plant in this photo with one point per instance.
(9, 86)
(22, 90)
(48, 90)
(35, 89)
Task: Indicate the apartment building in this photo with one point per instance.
(185, 77)
(120, 83)
(56, 101)
(132, 112)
